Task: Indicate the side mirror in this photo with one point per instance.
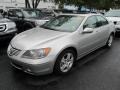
(88, 30)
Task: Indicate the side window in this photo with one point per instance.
(15, 13)
(101, 21)
(90, 22)
(11, 13)
(19, 13)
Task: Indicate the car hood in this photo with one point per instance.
(4, 20)
(36, 36)
(113, 18)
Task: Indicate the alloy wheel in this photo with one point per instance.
(66, 62)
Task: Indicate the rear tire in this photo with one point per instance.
(110, 41)
(64, 62)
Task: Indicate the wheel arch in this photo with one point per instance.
(62, 50)
(28, 24)
(67, 48)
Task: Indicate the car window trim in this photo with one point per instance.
(88, 18)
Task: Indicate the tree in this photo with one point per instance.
(98, 4)
(61, 3)
(32, 3)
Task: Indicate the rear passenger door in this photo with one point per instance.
(103, 29)
(89, 41)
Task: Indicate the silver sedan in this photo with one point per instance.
(56, 45)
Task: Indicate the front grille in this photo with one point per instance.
(14, 51)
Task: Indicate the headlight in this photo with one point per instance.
(37, 53)
(2, 27)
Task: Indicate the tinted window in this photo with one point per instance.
(101, 21)
(30, 13)
(91, 22)
(11, 13)
(18, 13)
(15, 12)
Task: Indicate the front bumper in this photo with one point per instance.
(31, 66)
(33, 69)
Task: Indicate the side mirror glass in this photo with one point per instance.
(88, 30)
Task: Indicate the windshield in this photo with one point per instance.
(113, 14)
(34, 14)
(30, 13)
(64, 23)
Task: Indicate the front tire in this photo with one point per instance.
(64, 62)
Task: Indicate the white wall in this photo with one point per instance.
(12, 3)
(46, 5)
(21, 3)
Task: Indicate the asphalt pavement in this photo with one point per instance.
(99, 70)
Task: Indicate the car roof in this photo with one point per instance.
(85, 15)
(115, 10)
